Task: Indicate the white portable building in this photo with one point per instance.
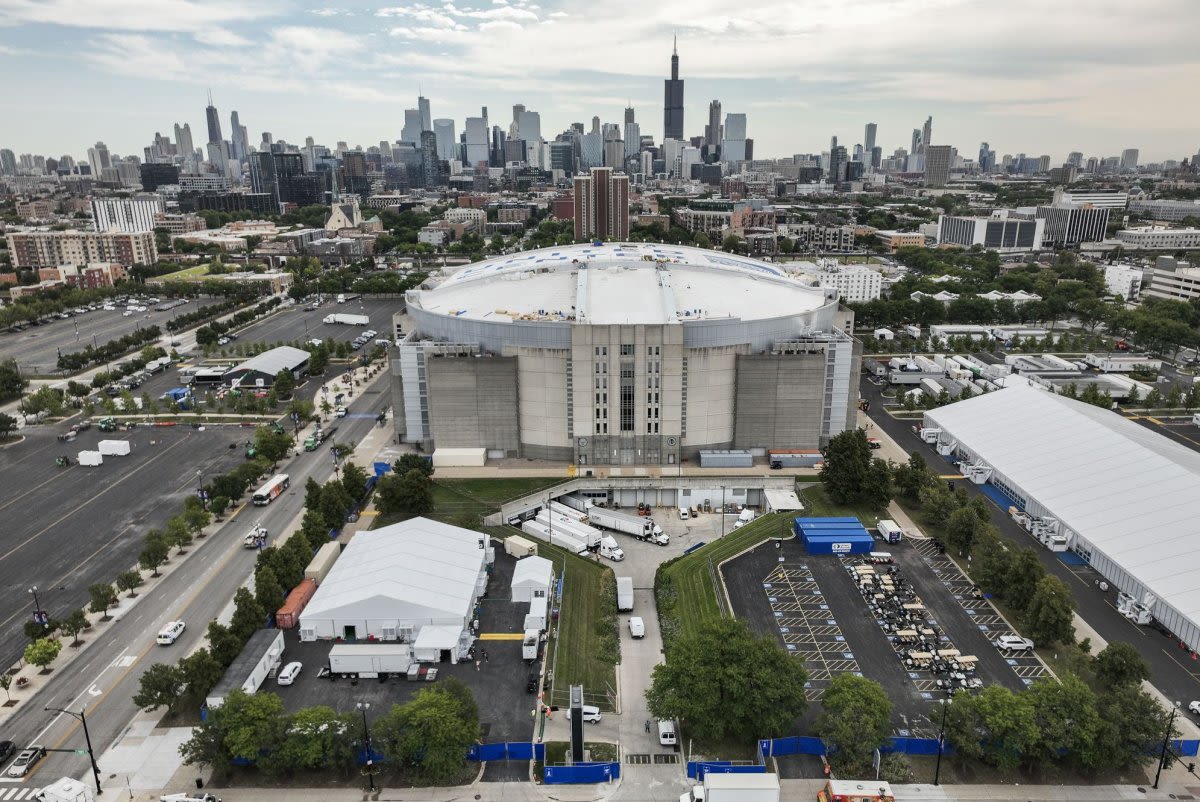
(261, 656)
(459, 457)
(531, 578)
(394, 583)
(91, 458)
(114, 448)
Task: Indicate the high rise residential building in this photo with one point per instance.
(477, 141)
(916, 142)
(239, 139)
(8, 162)
(633, 139)
(712, 130)
(673, 99)
(733, 144)
(353, 178)
(127, 215)
(869, 138)
(447, 143)
(529, 126)
(984, 164)
(214, 121)
(926, 134)
(499, 140)
(1075, 158)
(876, 157)
(423, 109)
(1129, 159)
(937, 165)
(99, 159)
(614, 149)
(602, 205)
(36, 249)
(411, 132)
(562, 157)
(514, 128)
(628, 114)
(838, 159)
(591, 150)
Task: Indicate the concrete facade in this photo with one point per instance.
(475, 403)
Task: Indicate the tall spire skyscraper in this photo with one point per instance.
(214, 122)
(673, 99)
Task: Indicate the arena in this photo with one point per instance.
(623, 354)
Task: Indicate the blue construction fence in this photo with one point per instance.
(696, 769)
(581, 773)
(519, 750)
(807, 745)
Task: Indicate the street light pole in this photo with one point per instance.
(37, 608)
(363, 707)
(722, 510)
(1162, 758)
(937, 768)
(81, 717)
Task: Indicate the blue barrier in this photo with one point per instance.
(916, 746)
(696, 769)
(693, 547)
(794, 745)
(362, 755)
(581, 773)
(513, 750)
(1187, 748)
(381, 468)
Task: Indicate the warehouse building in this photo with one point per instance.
(261, 370)
(414, 582)
(1123, 498)
(624, 354)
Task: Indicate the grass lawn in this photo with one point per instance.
(464, 502)
(587, 647)
(818, 505)
(188, 273)
(684, 588)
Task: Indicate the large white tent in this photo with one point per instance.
(531, 578)
(392, 583)
(1126, 497)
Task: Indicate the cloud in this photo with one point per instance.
(331, 12)
(135, 15)
(499, 24)
(220, 37)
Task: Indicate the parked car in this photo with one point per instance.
(340, 412)
(1013, 643)
(26, 761)
(637, 627)
(1193, 707)
(288, 673)
(591, 714)
(6, 750)
(170, 633)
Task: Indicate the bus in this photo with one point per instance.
(272, 490)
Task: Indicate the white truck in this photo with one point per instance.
(624, 593)
(588, 534)
(369, 660)
(555, 536)
(349, 320)
(610, 549)
(735, 788)
(890, 531)
(640, 527)
(65, 790)
(256, 537)
(529, 644)
(569, 512)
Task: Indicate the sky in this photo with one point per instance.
(1032, 76)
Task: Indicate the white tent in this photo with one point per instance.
(531, 577)
(434, 640)
(1126, 498)
(392, 583)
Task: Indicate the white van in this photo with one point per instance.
(591, 714)
(683, 514)
(666, 733)
(170, 633)
(637, 627)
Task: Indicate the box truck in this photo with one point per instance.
(890, 531)
(543, 532)
(636, 525)
(349, 320)
(624, 593)
(736, 788)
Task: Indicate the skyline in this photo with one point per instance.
(138, 67)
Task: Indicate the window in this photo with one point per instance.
(626, 350)
(627, 398)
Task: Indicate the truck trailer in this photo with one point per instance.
(588, 534)
(735, 788)
(369, 660)
(556, 537)
(624, 593)
(636, 525)
(349, 320)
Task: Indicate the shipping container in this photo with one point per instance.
(517, 546)
(323, 561)
(289, 614)
(793, 458)
(726, 459)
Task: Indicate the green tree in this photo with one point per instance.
(223, 643)
(8, 425)
(1008, 729)
(248, 615)
(73, 624)
(937, 503)
(1131, 719)
(312, 494)
(855, 719)
(727, 682)
(410, 461)
(12, 383)
(354, 480)
(1024, 575)
(178, 533)
(200, 673)
(272, 446)
(913, 477)
(847, 465)
(285, 384)
(431, 733)
(407, 493)
(196, 517)
(160, 686)
(267, 590)
(316, 738)
(154, 552)
(876, 489)
(1064, 711)
(41, 652)
(1049, 618)
(128, 581)
(218, 505)
(102, 597)
(960, 530)
(250, 724)
(1120, 664)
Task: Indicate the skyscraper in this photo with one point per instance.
(733, 144)
(477, 141)
(238, 140)
(987, 157)
(214, 122)
(411, 132)
(926, 134)
(937, 165)
(1129, 159)
(602, 205)
(423, 108)
(673, 99)
(529, 126)
(712, 131)
(8, 162)
(633, 134)
(837, 164)
(628, 114)
(183, 142)
(869, 138)
(98, 157)
(447, 144)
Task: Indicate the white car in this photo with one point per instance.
(127, 313)
(288, 674)
(340, 412)
(26, 760)
(1194, 707)
(1013, 643)
(170, 633)
(591, 714)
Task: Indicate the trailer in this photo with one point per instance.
(259, 659)
(624, 593)
(636, 525)
(555, 537)
(348, 320)
(890, 531)
(114, 448)
(288, 615)
(517, 546)
(793, 458)
(322, 562)
(574, 514)
(590, 535)
(369, 660)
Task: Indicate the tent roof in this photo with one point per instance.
(534, 569)
(418, 563)
(285, 357)
(437, 637)
(1134, 494)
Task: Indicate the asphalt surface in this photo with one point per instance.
(1172, 669)
(293, 323)
(1181, 430)
(498, 684)
(107, 676)
(36, 348)
(67, 528)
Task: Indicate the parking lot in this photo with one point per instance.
(296, 324)
(816, 607)
(498, 683)
(36, 348)
(66, 528)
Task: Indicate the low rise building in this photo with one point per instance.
(1123, 281)
(176, 223)
(1153, 238)
(894, 240)
(37, 209)
(997, 233)
(1181, 284)
(1167, 211)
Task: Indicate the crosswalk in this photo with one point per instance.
(17, 794)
